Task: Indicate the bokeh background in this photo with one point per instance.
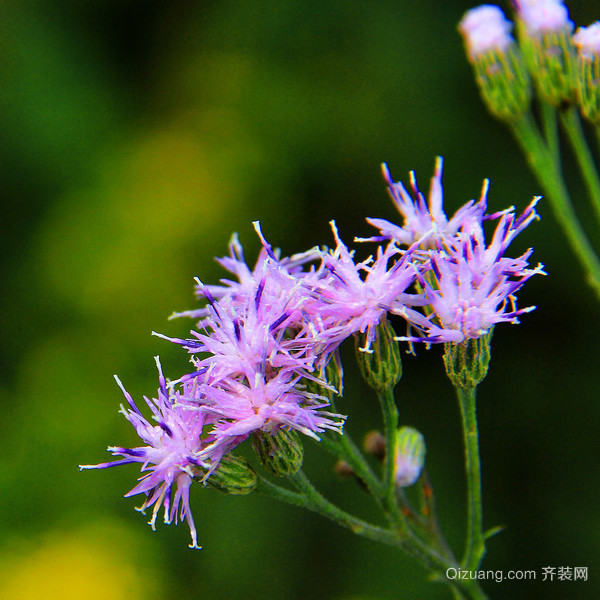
(135, 137)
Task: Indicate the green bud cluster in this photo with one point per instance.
(504, 83)
(280, 452)
(381, 367)
(333, 374)
(588, 87)
(551, 60)
(467, 363)
(234, 475)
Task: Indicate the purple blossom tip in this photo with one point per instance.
(424, 219)
(587, 41)
(543, 16)
(485, 29)
(386, 174)
(266, 245)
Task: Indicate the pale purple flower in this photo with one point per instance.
(170, 457)
(260, 331)
(243, 340)
(272, 277)
(543, 16)
(355, 297)
(587, 40)
(255, 354)
(241, 407)
(471, 286)
(485, 29)
(424, 219)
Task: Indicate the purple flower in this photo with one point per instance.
(271, 278)
(424, 219)
(240, 408)
(485, 29)
(587, 40)
(354, 297)
(170, 456)
(242, 339)
(471, 286)
(543, 16)
(256, 353)
(259, 330)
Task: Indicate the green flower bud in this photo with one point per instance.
(587, 42)
(280, 452)
(234, 475)
(497, 62)
(503, 83)
(333, 374)
(381, 365)
(410, 456)
(588, 88)
(467, 363)
(551, 60)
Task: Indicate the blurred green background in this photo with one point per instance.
(135, 137)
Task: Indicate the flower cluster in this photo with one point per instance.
(264, 337)
(169, 456)
(563, 65)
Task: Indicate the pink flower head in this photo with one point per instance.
(356, 296)
(543, 16)
(425, 219)
(280, 275)
(241, 407)
(472, 286)
(170, 456)
(485, 29)
(253, 335)
(587, 40)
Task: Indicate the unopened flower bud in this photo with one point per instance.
(280, 452)
(545, 35)
(381, 366)
(234, 475)
(330, 382)
(343, 469)
(587, 42)
(467, 363)
(374, 444)
(410, 456)
(499, 70)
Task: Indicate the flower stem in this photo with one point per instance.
(542, 163)
(390, 423)
(475, 543)
(318, 503)
(343, 447)
(551, 131)
(572, 125)
(310, 498)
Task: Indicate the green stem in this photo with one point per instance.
(390, 423)
(541, 162)
(475, 543)
(572, 125)
(310, 498)
(457, 594)
(344, 448)
(318, 503)
(428, 505)
(551, 131)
